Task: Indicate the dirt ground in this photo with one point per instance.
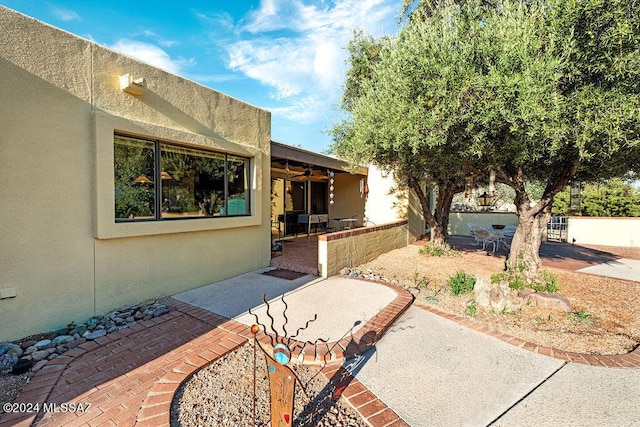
(605, 317)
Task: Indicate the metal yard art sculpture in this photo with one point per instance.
(282, 379)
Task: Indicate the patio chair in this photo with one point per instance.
(472, 230)
(484, 236)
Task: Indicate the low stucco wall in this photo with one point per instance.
(604, 231)
(62, 252)
(354, 247)
(458, 220)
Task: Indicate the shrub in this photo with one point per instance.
(471, 309)
(461, 283)
(515, 280)
(546, 282)
(434, 249)
(581, 316)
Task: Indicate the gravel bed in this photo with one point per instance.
(222, 394)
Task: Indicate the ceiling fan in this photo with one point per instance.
(307, 174)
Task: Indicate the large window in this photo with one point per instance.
(156, 180)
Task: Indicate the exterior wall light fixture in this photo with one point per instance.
(132, 86)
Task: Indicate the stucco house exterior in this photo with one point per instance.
(73, 243)
(120, 182)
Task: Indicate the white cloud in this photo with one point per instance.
(65, 14)
(298, 48)
(151, 54)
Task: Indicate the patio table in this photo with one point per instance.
(347, 223)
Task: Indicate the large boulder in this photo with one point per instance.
(495, 296)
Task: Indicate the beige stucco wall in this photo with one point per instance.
(347, 198)
(61, 249)
(604, 231)
(355, 247)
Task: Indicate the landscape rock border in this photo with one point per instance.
(34, 351)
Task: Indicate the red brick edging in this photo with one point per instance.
(129, 377)
(629, 360)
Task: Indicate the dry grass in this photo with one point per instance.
(606, 312)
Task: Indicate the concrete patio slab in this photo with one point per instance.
(581, 395)
(343, 306)
(234, 296)
(621, 268)
(435, 372)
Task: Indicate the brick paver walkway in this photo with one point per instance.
(130, 377)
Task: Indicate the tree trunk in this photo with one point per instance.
(524, 256)
(438, 221)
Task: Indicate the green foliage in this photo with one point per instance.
(461, 283)
(610, 198)
(546, 282)
(538, 91)
(515, 280)
(471, 309)
(420, 282)
(580, 316)
(435, 249)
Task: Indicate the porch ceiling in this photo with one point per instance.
(298, 159)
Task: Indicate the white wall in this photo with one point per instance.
(604, 231)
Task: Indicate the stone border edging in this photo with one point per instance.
(630, 360)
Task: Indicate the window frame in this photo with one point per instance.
(157, 180)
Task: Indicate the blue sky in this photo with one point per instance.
(286, 56)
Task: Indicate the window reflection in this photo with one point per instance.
(134, 178)
(194, 182)
(157, 180)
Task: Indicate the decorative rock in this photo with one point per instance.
(55, 343)
(546, 301)
(21, 367)
(28, 343)
(17, 350)
(7, 361)
(95, 334)
(495, 296)
(62, 339)
(79, 330)
(5, 347)
(92, 323)
(43, 344)
(62, 331)
(39, 355)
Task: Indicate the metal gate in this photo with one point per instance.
(557, 229)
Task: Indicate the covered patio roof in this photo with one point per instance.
(297, 160)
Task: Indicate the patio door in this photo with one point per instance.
(288, 200)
